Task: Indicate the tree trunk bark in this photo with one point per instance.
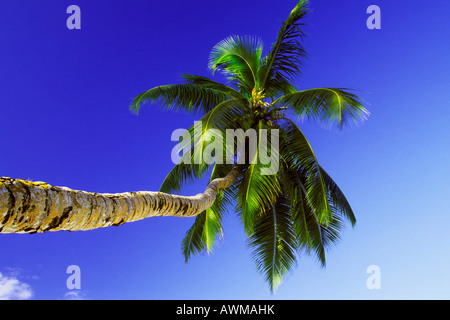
(30, 207)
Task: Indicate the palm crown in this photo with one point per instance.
(300, 209)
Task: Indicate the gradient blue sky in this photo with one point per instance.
(64, 97)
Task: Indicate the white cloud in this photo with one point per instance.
(73, 295)
(13, 289)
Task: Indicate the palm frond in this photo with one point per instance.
(190, 97)
(203, 234)
(279, 86)
(331, 233)
(297, 152)
(326, 105)
(192, 242)
(214, 85)
(212, 229)
(239, 58)
(314, 233)
(304, 219)
(255, 193)
(274, 243)
(257, 190)
(229, 114)
(181, 174)
(313, 236)
(207, 228)
(338, 199)
(285, 58)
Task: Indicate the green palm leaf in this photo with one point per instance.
(287, 54)
(193, 243)
(257, 191)
(182, 174)
(338, 199)
(326, 105)
(230, 114)
(211, 84)
(313, 235)
(239, 58)
(274, 243)
(207, 228)
(297, 152)
(279, 86)
(190, 97)
(305, 221)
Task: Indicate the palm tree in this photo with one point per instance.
(298, 209)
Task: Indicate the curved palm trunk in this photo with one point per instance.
(30, 207)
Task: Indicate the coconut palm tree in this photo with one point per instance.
(300, 208)
(290, 211)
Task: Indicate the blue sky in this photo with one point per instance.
(64, 97)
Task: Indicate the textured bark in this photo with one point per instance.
(30, 207)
